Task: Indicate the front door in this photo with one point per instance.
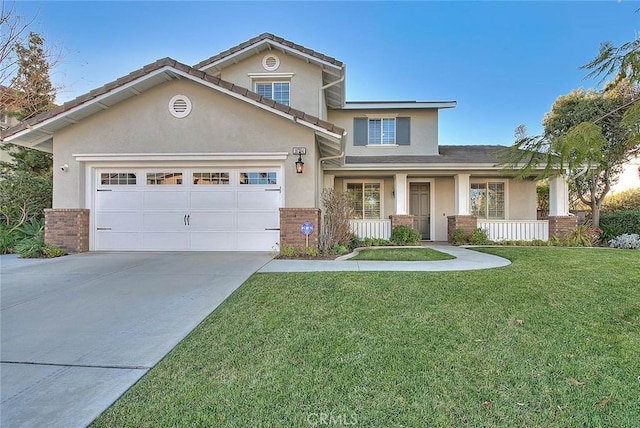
(419, 207)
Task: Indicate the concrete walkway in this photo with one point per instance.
(78, 331)
(464, 260)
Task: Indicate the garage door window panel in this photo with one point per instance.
(258, 178)
(118, 178)
(210, 178)
(164, 178)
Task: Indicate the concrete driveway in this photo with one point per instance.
(78, 331)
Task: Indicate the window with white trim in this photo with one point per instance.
(366, 199)
(382, 131)
(488, 200)
(277, 91)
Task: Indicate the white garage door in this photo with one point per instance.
(174, 209)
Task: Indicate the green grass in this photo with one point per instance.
(402, 254)
(553, 340)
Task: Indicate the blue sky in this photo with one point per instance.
(503, 62)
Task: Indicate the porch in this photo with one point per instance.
(435, 206)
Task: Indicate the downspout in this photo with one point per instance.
(328, 85)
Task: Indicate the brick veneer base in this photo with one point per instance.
(401, 220)
(291, 220)
(464, 222)
(67, 228)
(561, 225)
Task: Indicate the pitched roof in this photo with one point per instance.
(480, 154)
(175, 69)
(266, 37)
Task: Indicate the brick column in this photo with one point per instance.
(67, 228)
(401, 220)
(464, 222)
(561, 225)
(291, 220)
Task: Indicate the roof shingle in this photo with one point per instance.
(268, 36)
(171, 64)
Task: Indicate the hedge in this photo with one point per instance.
(618, 223)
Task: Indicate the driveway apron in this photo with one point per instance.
(78, 331)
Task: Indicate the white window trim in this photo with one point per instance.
(368, 181)
(272, 82)
(395, 133)
(486, 181)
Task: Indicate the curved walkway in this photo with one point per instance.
(464, 260)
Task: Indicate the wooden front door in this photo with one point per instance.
(420, 208)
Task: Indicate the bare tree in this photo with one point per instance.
(12, 30)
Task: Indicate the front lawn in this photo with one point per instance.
(553, 340)
(402, 254)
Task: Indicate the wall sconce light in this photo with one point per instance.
(299, 165)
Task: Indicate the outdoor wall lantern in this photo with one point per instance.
(299, 164)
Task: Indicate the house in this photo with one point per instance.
(629, 177)
(233, 154)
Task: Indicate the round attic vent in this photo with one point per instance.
(180, 106)
(271, 62)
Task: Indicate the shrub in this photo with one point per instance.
(459, 237)
(628, 200)
(311, 252)
(336, 212)
(8, 240)
(555, 241)
(288, 252)
(583, 235)
(405, 235)
(35, 247)
(339, 249)
(620, 223)
(34, 228)
(627, 241)
(539, 243)
(479, 237)
(30, 248)
(51, 251)
(375, 242)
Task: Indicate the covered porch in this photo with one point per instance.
(437, 204)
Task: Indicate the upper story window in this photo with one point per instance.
(487, 200)
(381, 131)
(277, 91)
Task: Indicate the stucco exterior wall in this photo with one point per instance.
(629, 177)
(218, 123)
(305, 82)
(424, 132)
(444, 205)
(522, 200)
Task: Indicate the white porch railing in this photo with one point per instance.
(379, 229)
(515, 230)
